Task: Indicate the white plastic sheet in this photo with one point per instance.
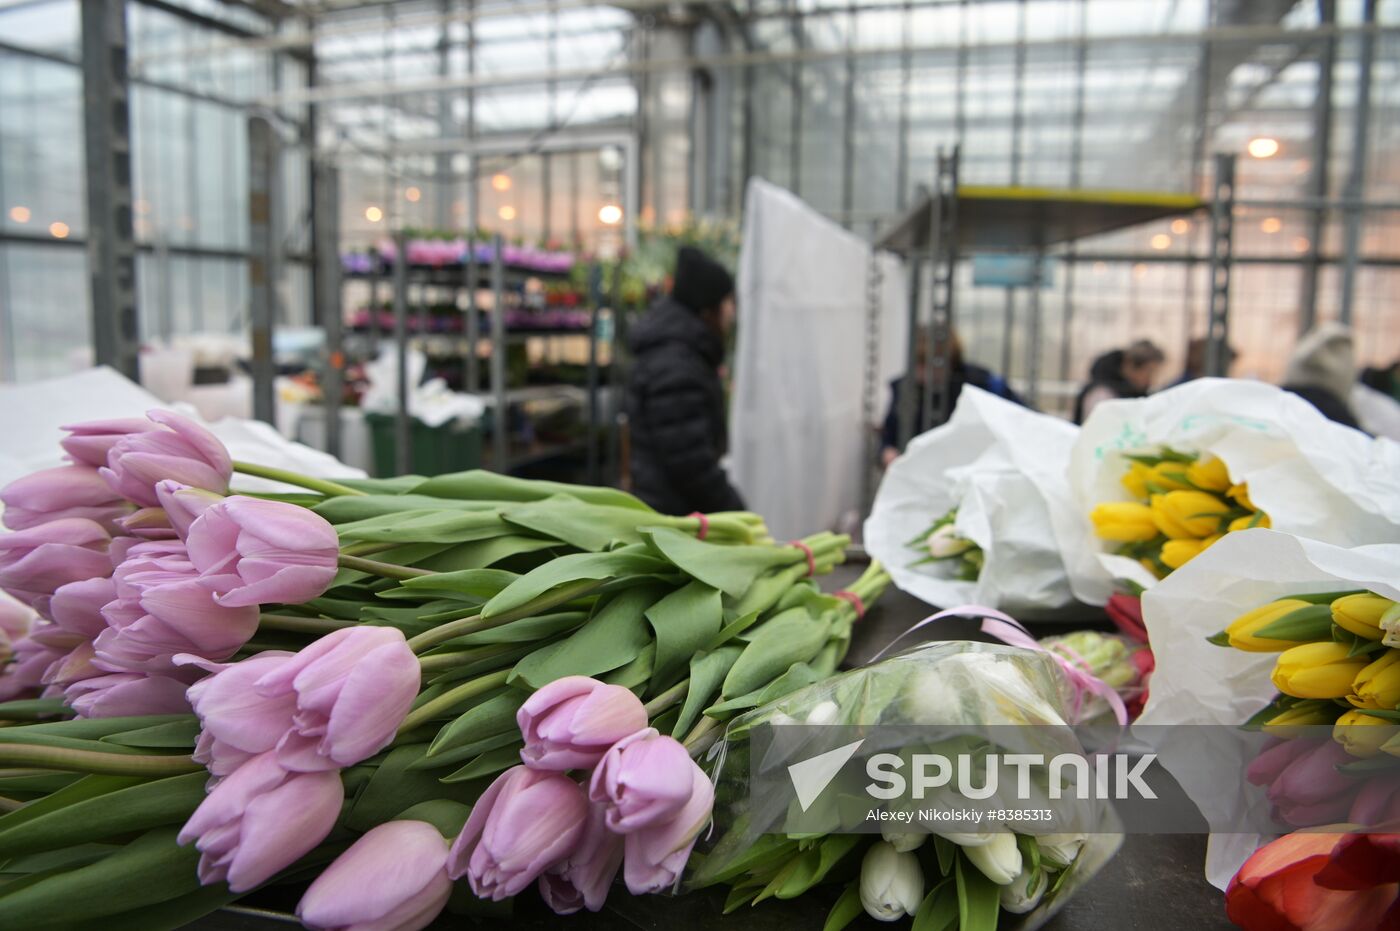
(797, 431)
(1314, 478)
(1196, 682)
(1004, 467)
(31, 415)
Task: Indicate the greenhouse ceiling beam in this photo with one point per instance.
(431, 84)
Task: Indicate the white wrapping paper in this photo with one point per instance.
(1199, 683)
(1314, 478)
(1004, 467)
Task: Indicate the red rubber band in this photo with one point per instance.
(854, 601)
(704, 520)
(807, 550)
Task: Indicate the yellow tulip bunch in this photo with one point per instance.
(1337, 664)
(1185, 503)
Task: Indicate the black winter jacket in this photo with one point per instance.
(1107, 371)
(675, 406)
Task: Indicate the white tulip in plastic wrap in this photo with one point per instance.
(1314, 478)
(1199, 683)
(1004, 468)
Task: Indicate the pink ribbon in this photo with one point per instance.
(853, 600)
(704, 520)
(1009, 631)
(806, 551)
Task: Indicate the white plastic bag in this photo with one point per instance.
(1003, 467)
(1314, 478)
(1196, 682)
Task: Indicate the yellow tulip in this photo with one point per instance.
(1301, 716)
(1169, 476)
(1241, 629)
(1209, 474)
(1257, 519)
(1152, 567)
(1378, 684)
(1362, 734)
(1361, 614)
(1317, 670)
(1135, 479)
(1123, 521)
(1240, 495)
(1177, 553)
(1185, 515)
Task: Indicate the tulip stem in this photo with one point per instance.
(696, 741)
(667, 698)
(473, 623)
(441, 661)
(453, 697)
(324, 486)
(303, 625)
(92, 761)
(387, 570)
(8, 804)
(366, 548)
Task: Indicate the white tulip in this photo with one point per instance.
(903, 841)
(782, 719)
(825, 713)
(1025, 891)
(945, 542)
(999, 861)
(1060, 849)
(891, 883)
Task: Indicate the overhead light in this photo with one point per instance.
(58, 229)
(507, 213)
(1100, 268)
(1271, 225)
(610, 214)
(374, 214)
(1139, 270)
(1301, 244)
(1263, 147)
(500, 182)
(1181, 226)
(413, 195)
(19, 214)
(1161, 241)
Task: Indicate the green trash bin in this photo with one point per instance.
(436, 450)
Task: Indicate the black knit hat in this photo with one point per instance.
(701, 283)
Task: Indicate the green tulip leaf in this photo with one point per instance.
(590, 527)
(425, 526)
(613, 637)
(939, 909)
(707, 672)
(1301, 624)
(791, 637)
(636, 673)
(730, 568)
(481, 485)
(684, 621)
(979, 899)
(445, 815)
(122, 811)
(494, 716)
(397, 485)
(488, 764)
(472, 585)
(176, 735)
(846, 909)
(97, 728)
(575, 569)
(482, 554)
(169, 915)
(29, 709)
(1326, 598)
(346, 509)
(83, 789)
(396, 785)
(810, 871)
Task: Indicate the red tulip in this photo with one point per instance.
(1276, 889)
(1126, 612)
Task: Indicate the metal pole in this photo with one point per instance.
(500, 424)
(1018, 93)
(595, 300)
(906, 66)
(403, 425)
(471, 370)
(870, 384)
(326, 218)
(1222, 211)
(1008, 326)
(262, 261)
(908, 406)
(1321, 158)
(795, 153)
(1076, 176)
(111, 246)
(848, 121)
(943, 249)
(1356, 174)
(1033, 331)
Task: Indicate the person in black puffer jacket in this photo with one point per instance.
(675, 401)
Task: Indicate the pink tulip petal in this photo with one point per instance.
(470, 835)
(376, 698)
(282, 826)
(231, 710)
(389, 866)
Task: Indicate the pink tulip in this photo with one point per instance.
(66, 491)
(23, 676)
(121, 694)
(145, 633)
(90, 442)
(392, 879)
(76, 608)
(1275, 758)
(182, 451)
(237, 723)
(263, 552)
(525, 823)
(260, 820)
(349, 693)
(73, 666)
(148, 524)
(1377, 805)
(184, 504)
(15, 620)
(36, 561)
(571, 722)
(1313, 778)
(582, 879)
(642, 780)
(655, 856)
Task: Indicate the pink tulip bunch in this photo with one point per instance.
(276, 729)
(640, 810)
(1305, 787)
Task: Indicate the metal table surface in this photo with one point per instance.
(1154, 883)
